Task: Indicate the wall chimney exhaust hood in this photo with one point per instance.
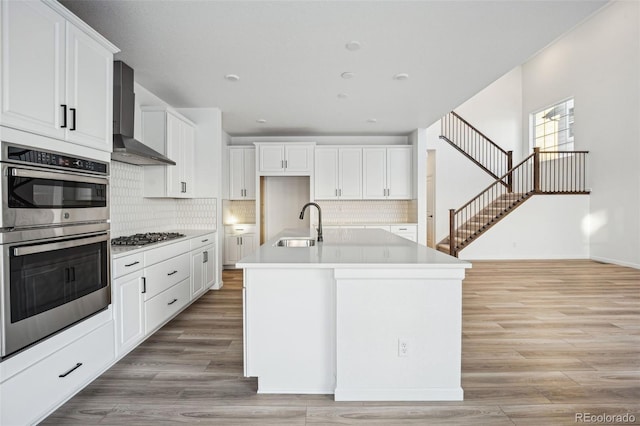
(125, 148)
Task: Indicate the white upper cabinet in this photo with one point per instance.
(285, 158)
(338, 173)
(387, 173)
(174, 136)
(242, 173)
(57, 75)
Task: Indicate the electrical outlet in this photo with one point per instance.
(403, 348)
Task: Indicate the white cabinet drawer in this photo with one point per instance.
(397, 229)
(166, 252)
(202, 241)
(166, 304)
(26, 397)
(411, 236)
(240, 229)
(161, 276)
(127, 264)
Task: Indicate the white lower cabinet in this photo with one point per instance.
(151, 287)
(239, 241)
(166, 304)
(202, 270)
(128, 303)
(39, 389)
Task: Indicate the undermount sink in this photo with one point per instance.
(295, 242)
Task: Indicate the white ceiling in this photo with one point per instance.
(290, 55)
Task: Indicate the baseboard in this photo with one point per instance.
(615, 262)
(426, 394)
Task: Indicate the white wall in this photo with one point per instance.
(598, 63)
(544, 227)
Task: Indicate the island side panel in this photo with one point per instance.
(289, 317)
(376, 309)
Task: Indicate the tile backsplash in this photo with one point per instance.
(368, 211)
(238, 211)
(131, 213)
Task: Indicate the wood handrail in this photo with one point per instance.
(499, 180)
(479, 132)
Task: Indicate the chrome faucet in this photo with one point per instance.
(319, 239)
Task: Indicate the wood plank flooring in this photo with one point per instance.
(542, 341)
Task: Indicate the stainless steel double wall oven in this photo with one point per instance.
(54, 236)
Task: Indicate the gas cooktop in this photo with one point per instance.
(143, 239)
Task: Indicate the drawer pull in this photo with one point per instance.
(205, 240)
(172, 302)
(131, 264)
(74, 368)
(171, 273)
(402, 229)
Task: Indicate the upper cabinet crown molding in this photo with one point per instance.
(63, 87)
(291, 158)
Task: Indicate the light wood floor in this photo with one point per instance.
(542, 341)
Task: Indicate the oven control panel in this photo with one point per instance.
(32, 156)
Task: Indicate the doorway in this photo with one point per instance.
(431, 198)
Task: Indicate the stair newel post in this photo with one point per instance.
(452, 232)
(509, 167)
(536, 169)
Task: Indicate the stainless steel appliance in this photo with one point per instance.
(125, 148)
(55, 265)
(41, 188)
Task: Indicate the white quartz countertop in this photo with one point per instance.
(120, 251)
(349, 248)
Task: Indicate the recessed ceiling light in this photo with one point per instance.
(232, 77)
(261, 120)
(372, 120)
(347, 75)
(353, 45)
(342, 96)
(401, 77)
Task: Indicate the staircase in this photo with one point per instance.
(542, 172)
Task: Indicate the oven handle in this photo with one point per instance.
(22, 251)
(57, 175)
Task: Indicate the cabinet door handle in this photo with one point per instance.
(241, 242)
(64, 116)
(205, 256)
(172, 302)
(144, 285)
(74, 368)
(73, 118)
(131, 264)
(172, 273)
(282, 164)
(286, 163)
(340, 192)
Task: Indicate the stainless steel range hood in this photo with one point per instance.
(125, 148)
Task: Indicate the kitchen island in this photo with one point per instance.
(365, 315)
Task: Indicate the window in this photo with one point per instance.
(553, 127)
